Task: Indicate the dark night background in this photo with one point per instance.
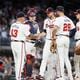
(73, 4)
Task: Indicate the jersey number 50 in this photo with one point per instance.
(67, 27)
(14, 32)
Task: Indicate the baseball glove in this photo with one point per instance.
(53, 43)
(53, 46)
(77, 50)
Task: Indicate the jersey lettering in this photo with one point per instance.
(50, 26)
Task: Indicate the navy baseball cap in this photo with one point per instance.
(60, 8)
(77, 12)
(20, 14)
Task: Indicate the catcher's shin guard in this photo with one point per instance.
(28, 66)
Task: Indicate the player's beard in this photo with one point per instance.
(56, 15)
(51, 17)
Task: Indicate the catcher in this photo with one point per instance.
(77, 48)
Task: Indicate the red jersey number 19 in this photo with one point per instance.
(14, 32)
(67, 27)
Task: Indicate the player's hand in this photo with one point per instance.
(32, 36)
(54, 38)
(41, 35)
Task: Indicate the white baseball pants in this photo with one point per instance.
(46, 53)
(77, 62)
(30, 49)
(52, 67)
(18, 49)
(63, 50)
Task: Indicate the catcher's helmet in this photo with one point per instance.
(31, 13)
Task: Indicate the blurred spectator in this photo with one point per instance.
(8, 67)
(1, 67)
(4, 33)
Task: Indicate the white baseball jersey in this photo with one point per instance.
(19, 31)
(77, 35)
(48, 25)
(64, 25)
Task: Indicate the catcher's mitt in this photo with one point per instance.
(53, 46)
(77, 50)
(53, 43)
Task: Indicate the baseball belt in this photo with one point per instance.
(17, 41)
(62, 35)
(77, 39)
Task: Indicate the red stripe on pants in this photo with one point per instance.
(21, 61)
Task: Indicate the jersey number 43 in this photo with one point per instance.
(14, 32)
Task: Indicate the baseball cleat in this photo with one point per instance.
(59, 78)
(76, 77)
(39, 77)
(29, 78)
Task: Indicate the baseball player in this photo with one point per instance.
(34, 29)
(48, 26)
(30, 46)
(19, 33)
(63, 25)
(77, 38)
